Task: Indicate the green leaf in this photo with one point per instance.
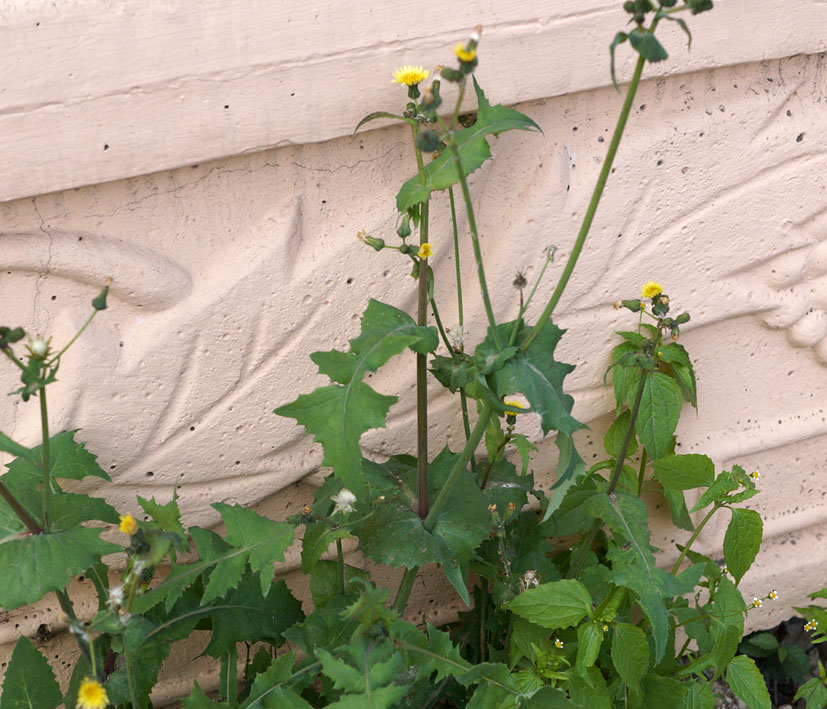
(718, 491)
(381, 114)
(814, 692)
(29, 682)
(318, 536)
(588, 688)
(367, 670)
(198, 700)
(677, 508)
(685, 472)
(70, 509)
(326, 581)
(589, 640)
(698, 696)
(265, 539)
(662, 691)
(451, 374)
(630, 654)
(430, 652)
(473, 150)
(742, 541)
(18, 451)
(167, 516)
(613, 440)
(726, 613)
(747, 683)
(268, 690)
(660, 409)
(37, 564)
(339, 414)
(558, 604)
(625, 378)
(619, 38)
(759, 645)
(68, 459)
(647, 45)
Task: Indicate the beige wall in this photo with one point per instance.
(230, 233)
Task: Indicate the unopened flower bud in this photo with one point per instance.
(39, 347)
(682, 318)
(375, 242)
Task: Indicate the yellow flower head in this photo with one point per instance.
(514, 404)
(651, 289)
(772, 595)
(558, 644)
(91, 695)
(605, 628)
(463, 54)
(425, 251)
(128, 524)
(410, 75)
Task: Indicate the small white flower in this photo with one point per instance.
(116, 597)
(558, 644)
(39, 347)
(343, 500)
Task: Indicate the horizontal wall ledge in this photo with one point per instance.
(99, 90)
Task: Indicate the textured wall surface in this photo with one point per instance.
(231, 267)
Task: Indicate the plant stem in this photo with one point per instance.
(130, 679)
(421, 360)
(694, 536)
(72, 341)
(641, 471)
(21, 513)
(456, 260)
(406, 584)
(441, 329)
(67, 607)
(341, 556)
(630, 432)
(578, 559)
(45, 462)
(475, 242)
(7, 351)
(592, 208)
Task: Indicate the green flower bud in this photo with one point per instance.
(450, 74)
(675, 333)
(698, 6)
(99, 303)
(404, 229)
(634, 305)
(660, 304)
(428, 141)
(682, 318)
(375, 242)
(668, 3)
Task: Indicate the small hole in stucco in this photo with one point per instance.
(349, 281)
(192, 428)
(54, 297)
(660, 162)
(799, 138)
(150, 474)
(238, 462)
(226, 105)
(643, 107)
(106, 146)
(789, 113)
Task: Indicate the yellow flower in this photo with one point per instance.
(605, 628)
(91, 695)
(410, 75)
(425, 251)
(558, 644)
(651, 289)
(463, 54)
(128, 524)
(772, 595)
(514, 404)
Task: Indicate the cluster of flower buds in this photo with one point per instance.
(9, 336)
(467, 55)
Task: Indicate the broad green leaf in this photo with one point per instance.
(660, 409)
(29, 682)
(619, 38)
(451, 374)
(726, 613)
(558, 604)
(339, 414)
(677, 508)
(759, 645)
(70, 509)
(473, 150)
(613, 440)
(268, 690)
(630, 654)
(588, 688)
(678, 360)
(821, 593)
(814, 692)
(265, 539)
(647, 45)
(742, 541)
(747, 683)
(326, 580)
(524, 448)
(68, 459)
(625, 378)
(685, 472)
(589, 640)
(41, 563)
(659, 691)
(718, 491)
(505, 485)
(431, 651)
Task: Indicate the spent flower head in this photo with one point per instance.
(650, 290)
(91, 695)
(39, 347)
(343, 501)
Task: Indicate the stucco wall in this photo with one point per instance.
(201, 155)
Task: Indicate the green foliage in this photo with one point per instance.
(29, 682)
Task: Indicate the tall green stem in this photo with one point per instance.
(592, 208)
(641, 472)
(45, 462)
(694, 536)
(340, 555)
(475, 242)
(627, 440)
(21, 513)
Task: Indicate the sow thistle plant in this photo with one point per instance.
(567, 606)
